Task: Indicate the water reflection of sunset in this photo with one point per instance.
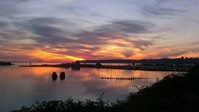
(84, 84)
(39, 71)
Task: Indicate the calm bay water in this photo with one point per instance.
(23, 86)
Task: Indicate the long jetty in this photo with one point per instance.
(39, 66)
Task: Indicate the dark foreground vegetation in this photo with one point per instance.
(178, 93)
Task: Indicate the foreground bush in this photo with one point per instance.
(68, 106)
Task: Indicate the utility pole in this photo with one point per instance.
(30, 62)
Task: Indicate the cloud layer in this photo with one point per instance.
(67, 30)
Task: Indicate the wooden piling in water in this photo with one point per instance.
(54, 76)
(62, 75)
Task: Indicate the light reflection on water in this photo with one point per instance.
(23, 86)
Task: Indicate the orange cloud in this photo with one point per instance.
(47, 56)
(110, 51)
(121, 41)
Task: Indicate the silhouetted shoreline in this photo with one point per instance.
(178, 64)
(146, 68)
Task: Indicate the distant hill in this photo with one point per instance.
(163, 61)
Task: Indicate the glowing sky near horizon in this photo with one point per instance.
(69, 30)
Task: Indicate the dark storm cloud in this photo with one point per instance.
(3, 24)
(115, 30)
(63, 34)
(54, 31)
(9, 7)
(173, 53)
(81, 42)
(127, 26)
(76, 28)
(48, 30)
(160, 11)
(195, 43)
(161, 1)
(122, 27)
(60, 34)
(143, 43)
(102, 35)
(80, 11)
(45, 30)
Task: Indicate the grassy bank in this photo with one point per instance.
(173, 93)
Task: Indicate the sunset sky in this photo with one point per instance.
(68, 30)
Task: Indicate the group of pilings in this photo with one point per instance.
(61, 76)
(121, 78)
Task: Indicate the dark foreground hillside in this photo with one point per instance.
(173, 93)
